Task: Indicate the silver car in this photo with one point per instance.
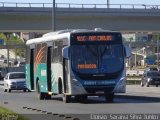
(15, 81)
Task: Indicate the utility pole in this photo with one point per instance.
(157, 50)
(108, 3)
(53, 16)
(7, 36)
(130, 64)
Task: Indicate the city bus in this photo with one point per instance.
(77, 64)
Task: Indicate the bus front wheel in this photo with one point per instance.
(41, 95)
(66, 98)
(109, 97)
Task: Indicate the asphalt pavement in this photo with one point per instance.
(137, 99)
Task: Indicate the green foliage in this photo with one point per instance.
(2, 36)
(13, 40)
(5, 112)
(16, 41)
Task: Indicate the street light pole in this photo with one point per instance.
(108, 2)
(53, 16)
(157, 50)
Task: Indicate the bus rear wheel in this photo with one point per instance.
(47, 97)
(66, 98)
(109, 97)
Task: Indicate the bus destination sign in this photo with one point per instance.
(94, 38)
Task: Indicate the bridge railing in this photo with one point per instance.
(74, 5)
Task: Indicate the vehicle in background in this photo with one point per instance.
(150, 78)
(1, 74)
(11, 63)
(151, 69)
(2, 56)
(15, 81)
(19, 64)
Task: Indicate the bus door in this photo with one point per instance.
(49, 85)
(32, 69)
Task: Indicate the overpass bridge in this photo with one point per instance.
(37, 17)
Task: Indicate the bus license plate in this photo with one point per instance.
(100, 92)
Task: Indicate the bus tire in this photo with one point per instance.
(66, 98)
(142, 85)
(77, 98)
(60, 86)
(47, 97)
(83, 98)
(109, 97)
(41, 95)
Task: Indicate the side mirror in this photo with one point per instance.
(127, 51)
(65, 51)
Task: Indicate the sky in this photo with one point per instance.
(151, 2)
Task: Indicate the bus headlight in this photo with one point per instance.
(76, 82)
(120, 86)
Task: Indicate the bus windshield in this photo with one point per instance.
(97, 59)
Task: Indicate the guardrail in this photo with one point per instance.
(74, 5)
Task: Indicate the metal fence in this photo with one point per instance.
(74, 5)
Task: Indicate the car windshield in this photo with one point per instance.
(154, 69)
(97, 58)
(17, 76)
(153, 74)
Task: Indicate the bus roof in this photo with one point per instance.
(62, 34)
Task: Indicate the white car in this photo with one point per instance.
(15, 81)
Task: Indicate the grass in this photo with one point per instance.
(6, 114)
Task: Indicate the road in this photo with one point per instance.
(132, 102)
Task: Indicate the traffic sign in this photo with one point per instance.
(1, 41)
(150, 60)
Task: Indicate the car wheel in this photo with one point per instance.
(147, 84)
(9, 90)
(24, 90)
(5, 90)
(142, 85)
(156, 85)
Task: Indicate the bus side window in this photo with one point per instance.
(55, 53)
(28, 55)
(60, 46)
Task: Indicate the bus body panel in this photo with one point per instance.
(28, 82)
(42, 76)
(79, 85)
(121, 84)
(56, 74)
